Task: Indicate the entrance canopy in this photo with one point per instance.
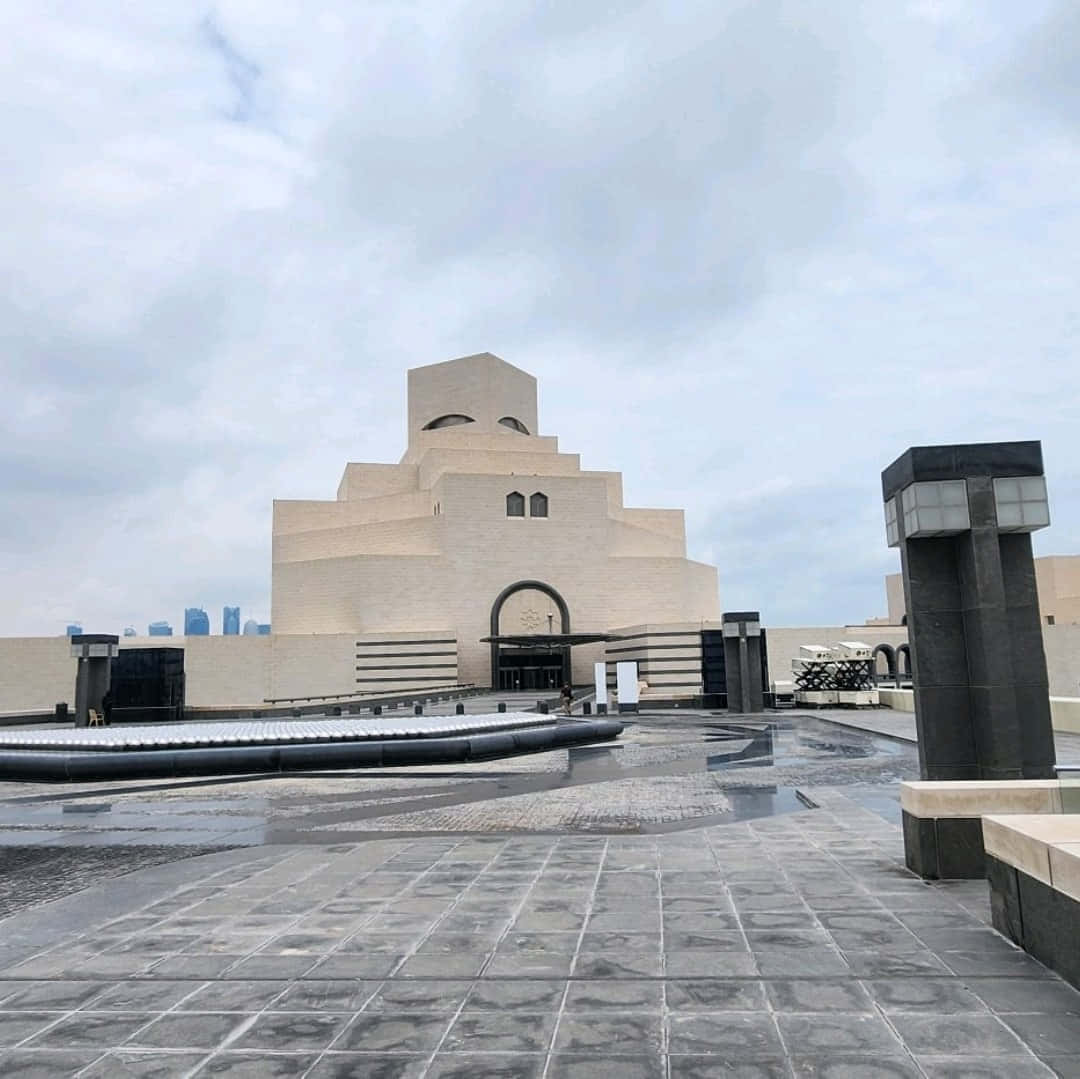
(547, 640)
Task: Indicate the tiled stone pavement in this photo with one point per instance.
(789, 946)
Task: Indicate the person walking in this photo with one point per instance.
(567, 699)
(106, 707)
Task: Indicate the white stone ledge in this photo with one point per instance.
(976, 798)
(1045, 846)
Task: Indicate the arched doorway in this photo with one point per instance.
(535, 613)
(903, 663)
(885, 650)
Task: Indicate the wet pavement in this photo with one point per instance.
(662, 774)
(670, 907)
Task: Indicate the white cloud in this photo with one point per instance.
(787, 240)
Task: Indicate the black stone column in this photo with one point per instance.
(95, 652)
(982, 706)
(742, 660)
(1031, 684)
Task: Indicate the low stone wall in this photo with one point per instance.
(1064, 711)
(246, 672)
(899, 700)
(943, 820)
(1033, 866)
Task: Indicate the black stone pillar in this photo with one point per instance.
(95, 652)
(742, 660)
(961, 516)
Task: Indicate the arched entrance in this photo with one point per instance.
(903, 662)
(537, 616)
(885, 650)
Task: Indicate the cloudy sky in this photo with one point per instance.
(752, 249)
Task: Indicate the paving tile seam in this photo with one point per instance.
(720, 975)
(665, 1031)
(240, 1031)
(589, 907)
(746, 942)
(55, 947)
(517, 911)
(613, 861)
(495, 854)
(179, 952)
(267, 869)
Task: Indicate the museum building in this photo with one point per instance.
(486, 556)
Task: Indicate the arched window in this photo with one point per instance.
(514, 424)
(515, 504)
(452, 419)
(538, 505)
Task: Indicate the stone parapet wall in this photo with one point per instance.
(1064, 711)
(36, 673)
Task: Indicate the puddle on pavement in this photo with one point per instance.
(747, 803)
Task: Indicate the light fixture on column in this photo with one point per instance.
(1021, 503)
(934, 508)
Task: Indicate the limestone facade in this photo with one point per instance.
(1057, 579)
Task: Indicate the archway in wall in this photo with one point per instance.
(903, 662)
(886, 651)
(537, 616)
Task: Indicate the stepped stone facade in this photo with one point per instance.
(482, 528)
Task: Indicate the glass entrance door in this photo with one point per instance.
(526, 671)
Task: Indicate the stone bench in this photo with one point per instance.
(1033, 866)
(943, 836)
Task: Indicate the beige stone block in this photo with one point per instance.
(1026, 841)
(976, 798)
(1065, 866)
(1065, 714)
(1011, 840)
(899, 700)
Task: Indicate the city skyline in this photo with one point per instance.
(128, 628)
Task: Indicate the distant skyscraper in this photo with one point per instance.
(264, 629)
(196, 622)
(129, 631)
(159, 629)
(251, 628)
(73, 630)
(230, 621)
